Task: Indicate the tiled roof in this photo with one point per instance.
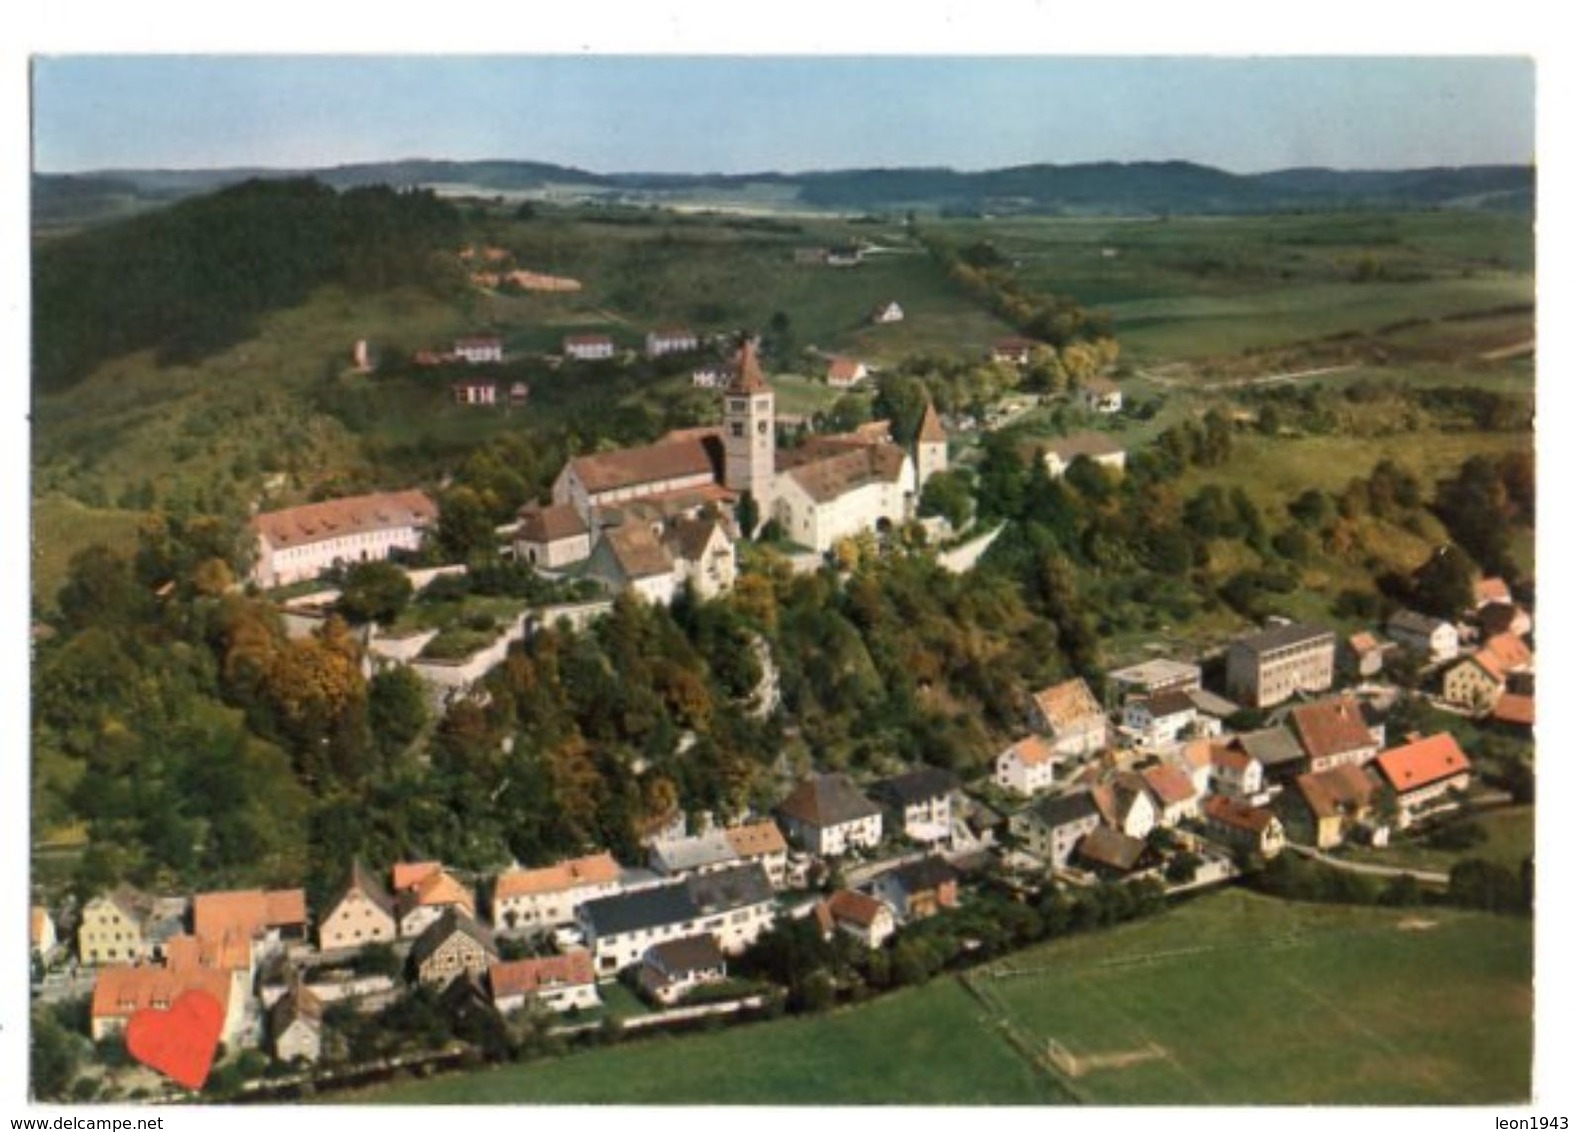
(640, 910)
(1230, 759)
(1108, 847)
(364, 881)
(687, 539)
(247, 913)
(549, 524)
(1236, 813)
(1508, 652)
(451, 922)
(923, 875)
(843, 369)
(748, 376)
(298, 1003)
(828, 800)
(827, 478)
(854, 907)
(919, 785)
(691, 953)
(438, 890)
(577, 873)
(527, 976)
(727, 889)
(1514, 709)
(681, 458)
(120, 992)
(1409, 621)
(1032, 750)
(695, 852)
(1164, 704)
(1331, 727)
(409, 874)
(758, 839)
(227, 952)
(1492, 589)
(1169, 784)
(1422, 762)
(1363, 643)
(1282, 636)
(1065, 809)
(1329, 793)
(930, 431)
(1092, 444)
(637, 551)
(336, 518)
(1067, 704)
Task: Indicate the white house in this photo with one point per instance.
(887, 312)
(1435, 639)
(703, 554)
(430, 891)
(1069, 715)
(588, 347)
(1134, 811)
(672, 969)
(552, 537)
(1158, 720)
(844, 373)
(1420, 774)
(835, 496)
(921, 802)
(296, 1026)
(1051, 826)
(301, 542)
(734, 906)
(865, 917)
(828, 816)
(362, 912)
(483, 393)
(671, 340)
(1028, 766)
(1059, 454)
(1173, 792)
(554, 982)
(535, 900)
(630, 558)
(480, 350)
(1235, 773)
(1101, 396)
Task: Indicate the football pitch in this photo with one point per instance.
(1231, 999)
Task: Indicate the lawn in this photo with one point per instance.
(1246, 999)
(63, 526)
(1509, 839)
(1242, 999)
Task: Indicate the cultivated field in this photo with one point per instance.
(1232, 999)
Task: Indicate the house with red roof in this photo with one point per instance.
(1324, 807)
(552, 537)
(1172, 792)
(1421, 774)
(843, 373)
(1244, 826)
(544, 898)
(302, 542)
(1236, 773)
(1028, 766)
(1477, 682)
(865, 917)
(1071, 718)
(423, 892)
(556, 982)
(1333, 733)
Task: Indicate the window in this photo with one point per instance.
(736, 429)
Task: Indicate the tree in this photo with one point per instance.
(53, 1059)
(396, 708)
(749, 513)
(374, 591)
(1444, 585)
(464, 527)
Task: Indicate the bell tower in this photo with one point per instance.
(748, 441)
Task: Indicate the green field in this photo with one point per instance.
(63, 526)
(1233, 998)
(1509, 840)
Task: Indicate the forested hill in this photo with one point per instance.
(1105, 188)
(195, 277)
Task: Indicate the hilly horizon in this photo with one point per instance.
(1107, 188)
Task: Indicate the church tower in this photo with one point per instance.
(748, 441)
(931, 448)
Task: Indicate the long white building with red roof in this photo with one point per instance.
(302, 542)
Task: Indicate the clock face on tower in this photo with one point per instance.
(761, 427)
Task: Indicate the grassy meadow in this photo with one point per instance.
(1231, 999)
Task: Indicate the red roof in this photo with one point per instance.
(854, 907)
(335, 518)
(1331, 727)
(1239, 815)
(527, 976)
(1492, 589)
(1423, 763)
(412, 873)
(247, 913)
(577, 873)
(1514, 709)
(748, 376)
(120, 992)
(1170, 785)
(843, 369)
(1033, 751)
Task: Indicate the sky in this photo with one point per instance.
(745, 113)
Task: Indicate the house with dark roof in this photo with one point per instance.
(1110, 852)
(1276, 749)
(1158, 720)
(857, 914)
(551, 537)
(1268, 667)
(361, 912)
(452, 945)
(703, 554)
(733, 905)
(1050, 827)
(1333, 732)
(920, 802)
(295, 1025)
(1430, 637)
(672, 969)
(1325, 806)
(629, 558)
(919, 889)
(1100, 395)
(827, 815)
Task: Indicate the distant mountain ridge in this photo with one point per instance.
(1098, 188)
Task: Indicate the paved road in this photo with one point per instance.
(1423, 876)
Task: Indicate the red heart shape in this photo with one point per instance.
(179, 1042)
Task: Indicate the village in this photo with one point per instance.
(1177, 772)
